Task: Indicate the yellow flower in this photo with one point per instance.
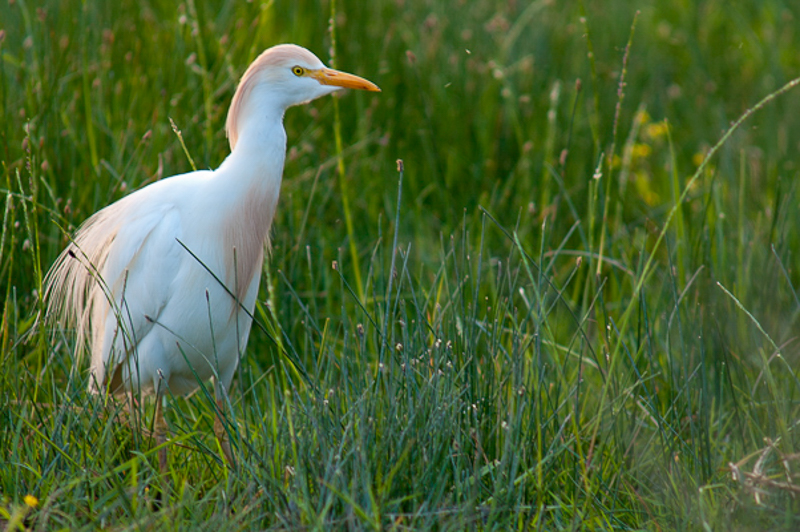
(656, 130)
(31, 501)
(641, 151)
(698, 158)
(642, 117)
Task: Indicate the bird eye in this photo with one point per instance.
(298, 70)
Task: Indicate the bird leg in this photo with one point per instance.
(161, 433)
(219, 428)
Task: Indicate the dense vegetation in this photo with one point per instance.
(581, 313)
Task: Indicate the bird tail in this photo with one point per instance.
(74, 288)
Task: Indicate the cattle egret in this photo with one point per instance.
(161, 285)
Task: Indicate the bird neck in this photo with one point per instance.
(256, 160)
(245, 190)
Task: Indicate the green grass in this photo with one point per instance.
(565, 321)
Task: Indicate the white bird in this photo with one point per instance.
(142, 280)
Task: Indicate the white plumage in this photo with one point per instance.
(140, 301)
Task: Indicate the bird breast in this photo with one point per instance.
(245, 232)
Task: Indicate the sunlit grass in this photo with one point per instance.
(579, 311)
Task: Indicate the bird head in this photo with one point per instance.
(283, 76)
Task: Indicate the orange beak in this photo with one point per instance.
(329, 76)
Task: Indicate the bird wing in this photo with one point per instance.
(113, 280)
(139, 273)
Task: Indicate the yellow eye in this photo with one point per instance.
(298, 70)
